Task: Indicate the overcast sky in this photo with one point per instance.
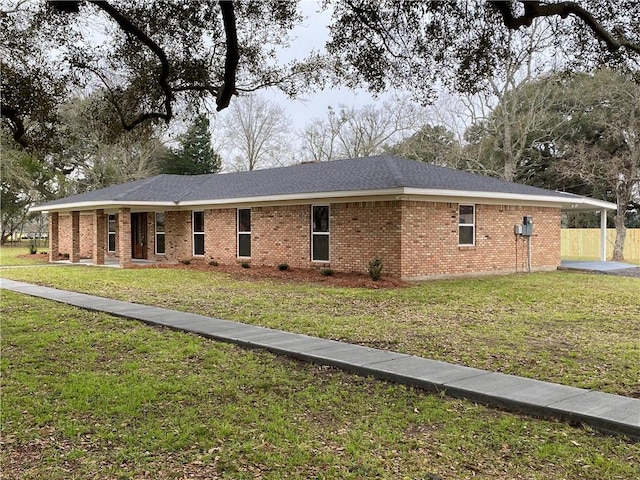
(312, 34)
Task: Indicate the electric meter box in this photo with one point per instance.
(527, 226)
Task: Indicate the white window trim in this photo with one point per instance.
(194, 233)
(155, 228)
(328, 234)
(110, 232)
(472, 225)
(238, 232)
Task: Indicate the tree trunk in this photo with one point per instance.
(621, 230)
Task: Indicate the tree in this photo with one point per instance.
(195, 156)
(152, 56)
(601, 144)
(23, 181)
(257, 133)
(357, 132)
(418, 45)
(95, 151)
(433, 144)
(577, 133)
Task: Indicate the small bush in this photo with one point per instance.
(185, 261)
(326, 272)
(245, 265)
(283, 266)
(375, 269)
(65, 256)
(33, 249)
(213, 263)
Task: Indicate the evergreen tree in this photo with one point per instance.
(194, 156)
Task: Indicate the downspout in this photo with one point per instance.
(603, 235)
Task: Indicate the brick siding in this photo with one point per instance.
(414, 239)
(65, 234)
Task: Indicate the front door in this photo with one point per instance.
(139, 235)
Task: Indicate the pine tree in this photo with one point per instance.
(194, 156)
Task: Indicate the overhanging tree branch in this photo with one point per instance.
(232, 58)
(128, 26)
(533, 10)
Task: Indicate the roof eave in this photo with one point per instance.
(570, 202)
(95, 205)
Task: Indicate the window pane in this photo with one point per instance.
(244, 220)
(321, 219)
(111, 241)
(321, 248)
(198, 221)
(244, 245)
(466, 235)
(112, 223)
(160, 243)
(198, 244)
(159, 222)
(466, 214)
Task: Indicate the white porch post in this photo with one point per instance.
(603, 235)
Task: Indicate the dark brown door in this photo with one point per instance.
(139, 235)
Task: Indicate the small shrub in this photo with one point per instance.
(283, 266)
(213, 263)
(185, 261)
(245, 265)
(326, 272)
(375, 269)
(33, 249)
(65, 256)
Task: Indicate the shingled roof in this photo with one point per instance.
(357, 177)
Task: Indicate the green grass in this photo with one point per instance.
(86, 395)
(9, 256)
(570, 328)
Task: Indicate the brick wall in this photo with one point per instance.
(361, 231)
(178, 239)
(65, 234)
(281, 235)
(430, 240)
(413, 239)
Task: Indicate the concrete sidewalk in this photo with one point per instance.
(606, 412)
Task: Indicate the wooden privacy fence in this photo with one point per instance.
(585, 243)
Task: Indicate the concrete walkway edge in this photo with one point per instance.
(606, 412)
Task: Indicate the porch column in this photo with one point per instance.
(603, 236)
(54, 240)
(99, 237)
(75, 237)
(124, 236)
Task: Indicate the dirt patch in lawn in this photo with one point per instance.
(39, 257)
(294, 275)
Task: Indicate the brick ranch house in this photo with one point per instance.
(421, 220)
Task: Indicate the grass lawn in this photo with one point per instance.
(571, 328)
(10, 256)
(87, 395)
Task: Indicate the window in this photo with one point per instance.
(466, 225)
(320, 233)
(198, 233)
(160, 248)
(111, 233)
(244, 232)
